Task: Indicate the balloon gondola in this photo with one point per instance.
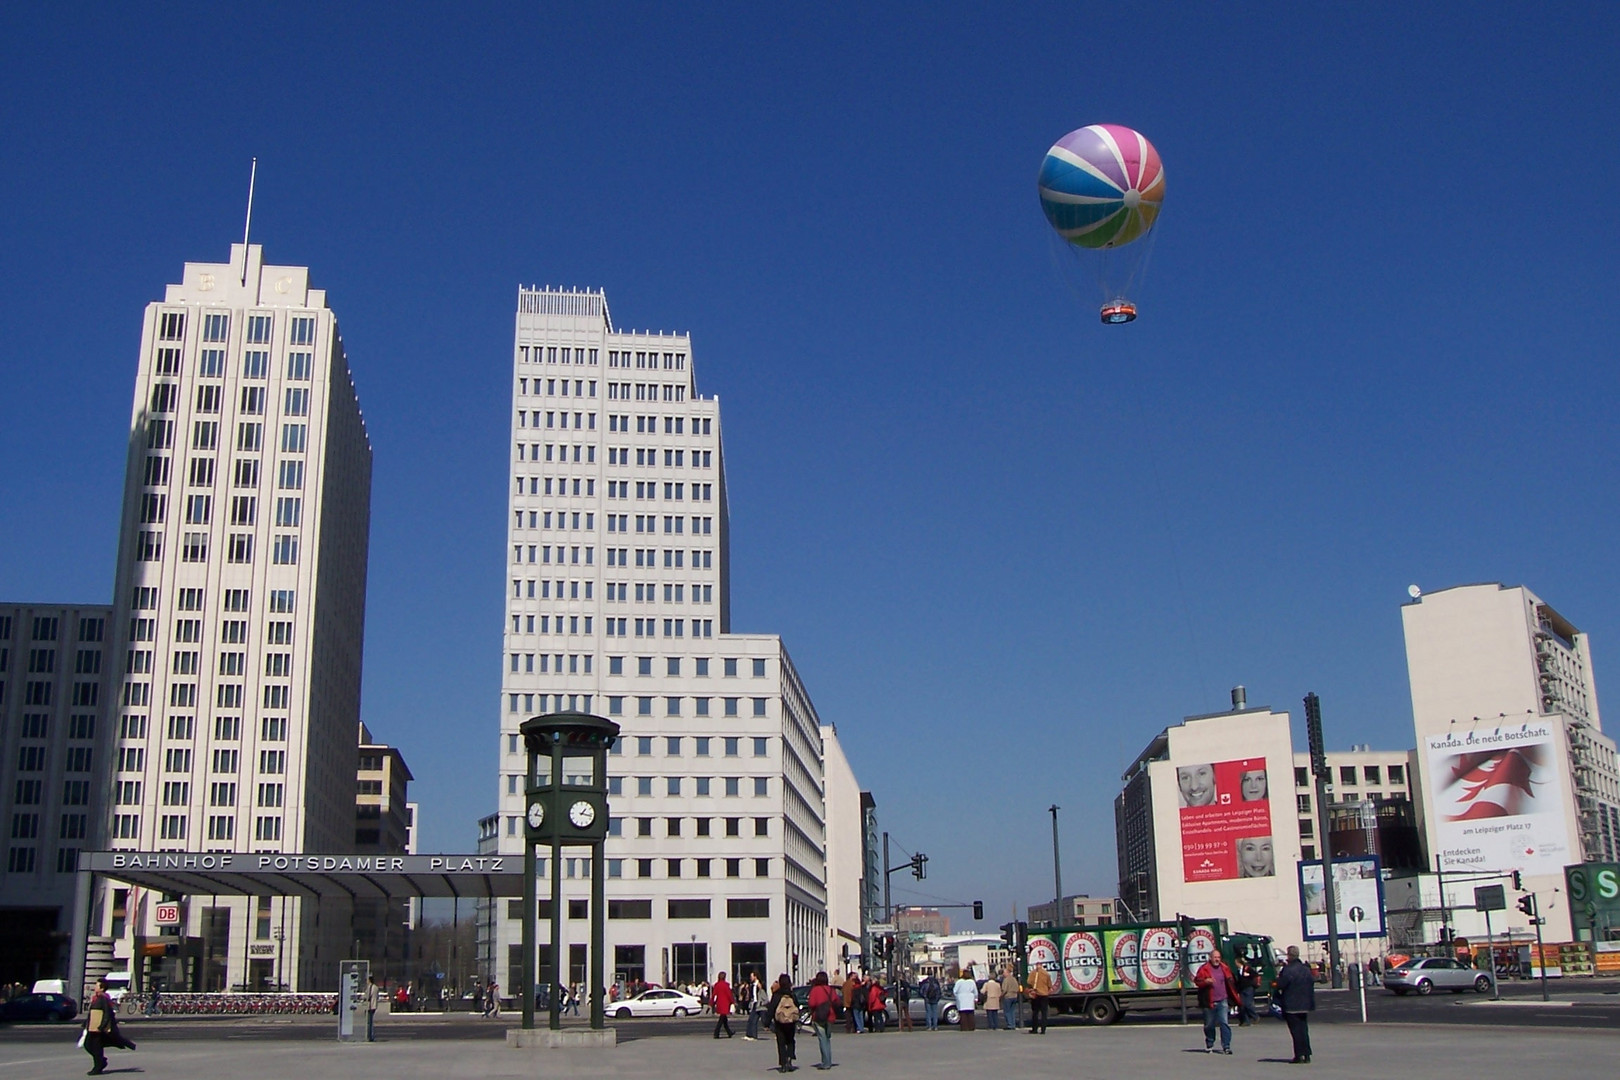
(1101, 188)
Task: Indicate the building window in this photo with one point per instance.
(759, 668)
(761, 786)
(759, 706)
(1347, 775)
(1302, 777)
(1371, 774)
(1397, 774)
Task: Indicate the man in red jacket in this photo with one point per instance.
(720, 998)
(1216, 991)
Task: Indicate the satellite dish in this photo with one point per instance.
(1413, 591)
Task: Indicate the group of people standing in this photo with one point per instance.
(1294, 992)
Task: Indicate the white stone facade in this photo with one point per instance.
(239, 606)
(617, 602)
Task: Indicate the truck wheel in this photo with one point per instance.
(1102, 1011)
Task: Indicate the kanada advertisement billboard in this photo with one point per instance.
(1498, 803)
(1225, 809)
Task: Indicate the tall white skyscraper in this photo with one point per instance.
(617, 603)
(239, 609)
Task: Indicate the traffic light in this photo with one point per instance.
(978, 910)
(1184, 927)
(1313, 733)
(1022, 931)
(1518, 881)
(919, 866)
(1527, 904)
(1009, 936)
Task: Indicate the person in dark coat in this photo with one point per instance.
(101, 1029)
(1295, 990)
(784, 1013)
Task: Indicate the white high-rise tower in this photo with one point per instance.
(240, 609)
(617, 603)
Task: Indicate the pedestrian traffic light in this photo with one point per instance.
(1518, 881)
(1009, 936)
(1527, 904)
(978, 910)
(1022, 931)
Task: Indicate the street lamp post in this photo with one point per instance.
(1057, 869)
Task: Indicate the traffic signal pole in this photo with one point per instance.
(1319, 768)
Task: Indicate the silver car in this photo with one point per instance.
(1425, 975)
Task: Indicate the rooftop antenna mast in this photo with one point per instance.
(253, 175)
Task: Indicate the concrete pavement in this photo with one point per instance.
(1342, 1052)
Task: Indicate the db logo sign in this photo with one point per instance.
(166, 914)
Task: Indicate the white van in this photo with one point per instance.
(117, 984)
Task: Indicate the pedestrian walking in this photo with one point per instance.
(1010, 993)
(1295, 992)
(966, 993)
(720, 997)
(101, 1029)
(784, 1021)
(1216, 989)
(1038, 989)
(492, 999)
(373, 999)
(821, 1004)
(992, 1003)
(1248, 977)
(756, 1006)
(902, 1001)
(932, 992)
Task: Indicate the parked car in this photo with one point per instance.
(1430, 973)
(55, 1007)
(658, 1002)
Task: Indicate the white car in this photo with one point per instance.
(659, 1002)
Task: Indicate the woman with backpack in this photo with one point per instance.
(821, 1005)
(785, 1020)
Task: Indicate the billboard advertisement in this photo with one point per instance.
(1357, 883)
(1498, 804)
(1225, 810)
(1042, 951)
(1082, 962)
(1159, 958)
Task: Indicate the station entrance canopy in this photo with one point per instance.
(316, 876)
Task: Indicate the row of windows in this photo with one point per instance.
(22, 860)
(648, 523)
(648, 628)
(238, 548)
(620, 455)
(32, 759)
(40, 692)
(648, 425)
(157, 472)
(46, 628)
(618, 391)
(251, 401)
(674, 491)
(647, 593)
(559, 387)
(38, 726)
(674, 558)
(174, 827)
(216, 328)
(548, 354)
(205, 435)
(621, 358)
(255, 364)
(582, 421)
(199, 510)
(231, 632)
(25, 826)
(31, 792)
(561, 451)
(145, 598)
(701, 706)
(1348, 775)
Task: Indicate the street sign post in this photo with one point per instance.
(1489, 898)
(1357, 916)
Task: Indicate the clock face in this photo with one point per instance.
(582, 814)
(537, 815)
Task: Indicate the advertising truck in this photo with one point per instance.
(1105, 970)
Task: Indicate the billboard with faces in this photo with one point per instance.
(1225, 813)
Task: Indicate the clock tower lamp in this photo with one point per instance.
(565, 789)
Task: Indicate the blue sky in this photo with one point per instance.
(1005, 545)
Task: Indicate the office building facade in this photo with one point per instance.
(238, 618)
(617, 602)
(1515, 771)
(54, 672)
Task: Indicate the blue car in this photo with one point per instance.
(56, 1007)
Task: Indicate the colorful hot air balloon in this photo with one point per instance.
(1101, 188)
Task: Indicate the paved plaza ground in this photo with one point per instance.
(255, 1049)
